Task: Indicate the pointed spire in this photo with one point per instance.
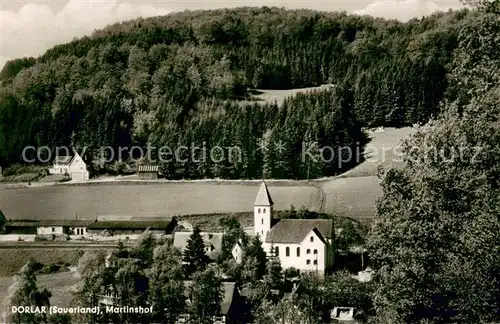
(263, 197)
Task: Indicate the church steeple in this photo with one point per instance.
(263, 211)
(263, 197)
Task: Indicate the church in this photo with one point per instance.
(303, 244)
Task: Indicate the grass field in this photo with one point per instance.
(14, 259)
(383, 148)
(61, 285)
(352, 197)
(167, 199)
(278, 96)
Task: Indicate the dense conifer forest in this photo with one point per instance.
(177, 80)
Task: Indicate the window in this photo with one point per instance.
(287, 251)
(308, 262)
(308, 251)
(262, 232)
(53, 229)
(315, 251)
(298, 251)
(263, 210)
(276, 251)
(315, 262)
(312, 239)
(258, 210)
(262, 220)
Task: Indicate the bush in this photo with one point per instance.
(50, 268)
(18, 169)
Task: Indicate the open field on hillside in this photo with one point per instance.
(61, 285)
(13, 259)
(352, 197)
(278, 96)
(168, 199)
(383, 148)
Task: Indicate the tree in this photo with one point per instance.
(233, 233)
(352, 235)
(194, 254)
(274, 277)
(254, 261)
(144, 249)
(28, 294)
(434, 244)
(206, 295)
(166, 288)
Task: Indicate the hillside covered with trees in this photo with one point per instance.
(176, 80)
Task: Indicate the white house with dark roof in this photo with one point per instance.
(303, 244)
(213, 242)
(74, 166)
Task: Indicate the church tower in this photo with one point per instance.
(263, 212)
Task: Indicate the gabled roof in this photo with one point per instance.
(263, 197)
(66, 159)
(294, 230)
(227, 298)
(63, 159)
(163, 224)
(65, 222)
(214, 239)
(21, 223)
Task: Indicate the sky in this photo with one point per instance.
(30, 28)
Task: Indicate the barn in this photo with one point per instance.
(147, 172)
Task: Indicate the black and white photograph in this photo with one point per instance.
(267, 162)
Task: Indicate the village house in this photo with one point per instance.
(76, 227)
(303, 244)
(147, 172)
(213, 242)
(230, 306)
(74, 166)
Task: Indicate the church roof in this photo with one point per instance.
(263, 197)
(294, 230)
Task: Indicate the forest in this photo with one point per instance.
(179, 79)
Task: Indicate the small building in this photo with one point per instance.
(230, 306)
(74, 166)
(147, 172)
(213, 242)
(63, 226)
(237, 252)
(343, 314)
(21, 227)
(120, 227)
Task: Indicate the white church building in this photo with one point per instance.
(303, 244)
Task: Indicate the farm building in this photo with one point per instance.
(118, 227)
(25, 227)
(63, 226)
(74, 166)
(149, 172)
(213, 242)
